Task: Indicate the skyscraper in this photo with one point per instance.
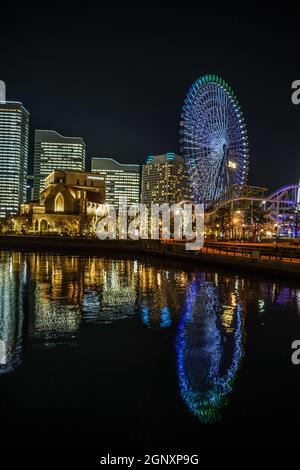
(53, 151)
(164, 180)
(29, 188)
(14, 130)
(121, 181)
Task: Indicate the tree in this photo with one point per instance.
(256, 221)
(86, 224)
(222, 221)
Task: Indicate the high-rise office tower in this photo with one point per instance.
(53, 151)
(29, 188)
(164, 180)
(121, 181)
(14, 130)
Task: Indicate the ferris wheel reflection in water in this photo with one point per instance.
(209, 347)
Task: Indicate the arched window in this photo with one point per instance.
(59, 204)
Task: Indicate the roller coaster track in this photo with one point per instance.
(282, 200)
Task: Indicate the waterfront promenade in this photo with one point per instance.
(281, 260)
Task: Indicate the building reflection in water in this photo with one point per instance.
(111, 294)
(209, 346)
(66, 291)
(161, 295)
(55, 300)
(12, 280)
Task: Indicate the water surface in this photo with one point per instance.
(112, 354)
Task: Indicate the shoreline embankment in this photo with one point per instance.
(156, 248)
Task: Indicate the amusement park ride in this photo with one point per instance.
(214, 144)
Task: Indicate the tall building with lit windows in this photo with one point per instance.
(53, 151)
(164, 180)
(121, 181)
(14, 130)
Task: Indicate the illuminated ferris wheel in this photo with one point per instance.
(213, 140)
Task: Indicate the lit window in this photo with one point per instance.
(59, 204)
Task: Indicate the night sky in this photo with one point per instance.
(117, 75)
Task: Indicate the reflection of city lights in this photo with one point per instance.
(3, 358)
(227, 318)
(208, 352)
(12, 280)
(233, 300)
(166, 320)
(261, 305)
(161, 294)
(118, 296)
(298, 293)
